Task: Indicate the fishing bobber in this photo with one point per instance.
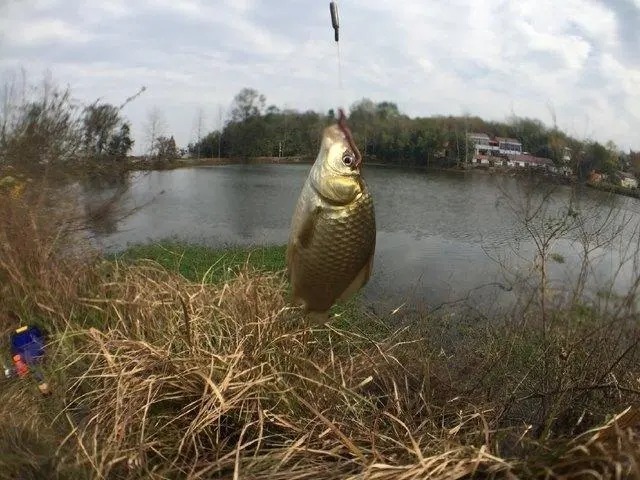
(335, 22)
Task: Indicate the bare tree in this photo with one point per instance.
(547, 217)
(199, 126)
(221, 127)
(154, 128)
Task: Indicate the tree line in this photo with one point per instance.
(43, 124)
(384, 134)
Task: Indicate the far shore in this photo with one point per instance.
(137, 164)
(143, 165)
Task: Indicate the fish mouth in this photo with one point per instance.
(342, 124)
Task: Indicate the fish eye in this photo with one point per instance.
(348, 160)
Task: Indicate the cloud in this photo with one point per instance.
(627, 13)
(488, 58)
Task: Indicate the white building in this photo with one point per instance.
(530, 161)
(483, 144)
(627, 180)
(509, 146)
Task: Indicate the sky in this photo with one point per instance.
(577, 58)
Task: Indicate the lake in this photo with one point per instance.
(442, 236)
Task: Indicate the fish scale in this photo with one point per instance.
(339, 237)
(336, 252)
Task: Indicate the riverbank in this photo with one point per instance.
(137, 164)
(142, 165)
(112, 170)
(173, 360)
(620, 190)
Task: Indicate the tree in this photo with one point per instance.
(106, 134)
(39, 124)
(634, 161)
(362, 109)
(120, 143)
(599, 157)
(272, 110)
(246, 104)
(99, 123)
(154, 129)
(387, 110)
(207, 146)
(42, 124)
(166, 149)
(199, 122)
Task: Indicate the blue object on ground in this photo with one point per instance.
(28, 342)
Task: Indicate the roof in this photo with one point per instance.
(530, 159)
(479, 135)
(508, 140)
(626, 175)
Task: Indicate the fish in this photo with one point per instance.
(332, 236)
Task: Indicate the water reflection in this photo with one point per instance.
(101, 196)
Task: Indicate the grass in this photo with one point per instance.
(199, 263)
(176, 361)
(203, 264)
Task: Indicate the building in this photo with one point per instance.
(483, 145)
(478, 138)
(509, 146)
(626, 179)
(563, 170)
(481, 159)
(498, 146)
(524, 160)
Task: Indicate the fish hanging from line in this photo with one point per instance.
(333, 229)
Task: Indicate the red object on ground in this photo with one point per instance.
(21, 367)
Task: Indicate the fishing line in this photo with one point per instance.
(340, 85)
(335, 23)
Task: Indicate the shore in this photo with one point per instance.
(109, 169)
(199, 162)
(556, 179)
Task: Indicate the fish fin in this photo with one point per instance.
(317, 318)
(307, 229)
(359, 281)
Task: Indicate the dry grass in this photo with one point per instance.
(191, 380)
(156, 376)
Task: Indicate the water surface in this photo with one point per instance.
(435, 229)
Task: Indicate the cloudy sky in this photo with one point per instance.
(580, 58)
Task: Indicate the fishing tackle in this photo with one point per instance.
(335, 23)
(27, 351)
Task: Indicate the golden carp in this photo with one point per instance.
(333, 229)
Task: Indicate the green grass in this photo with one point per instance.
(199, 263)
